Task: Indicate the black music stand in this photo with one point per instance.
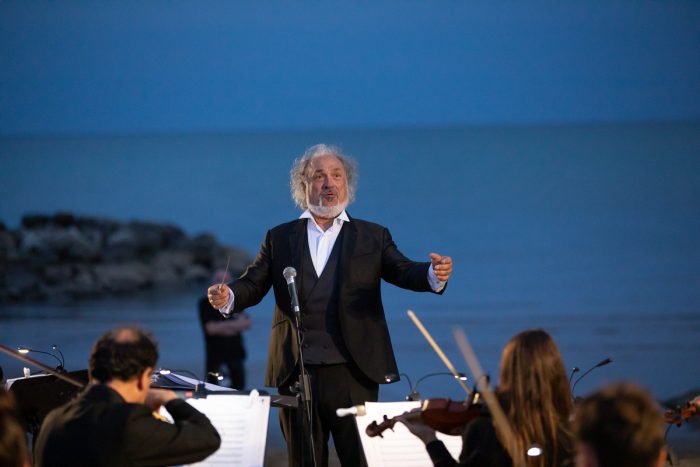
(38, 395)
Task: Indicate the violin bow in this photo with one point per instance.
(438, 350)
(500, 421)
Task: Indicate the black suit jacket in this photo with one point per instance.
(368, 255)
(100, 429)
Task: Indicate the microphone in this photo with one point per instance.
(574, 370)
(289, 274)
(26, 350)
(599, 364)
(63, 359)
(358, 410)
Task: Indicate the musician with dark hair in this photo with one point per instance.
(620, 426)
(112, 422)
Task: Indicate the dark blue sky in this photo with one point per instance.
(160, 66)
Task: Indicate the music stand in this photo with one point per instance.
(38, 395)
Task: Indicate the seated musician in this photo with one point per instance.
(619, 425)
(112, 422)
(534, 393)
(13, 439)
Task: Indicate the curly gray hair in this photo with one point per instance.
(300, 174)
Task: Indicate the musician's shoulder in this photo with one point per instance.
(286, 226)
(367, 225)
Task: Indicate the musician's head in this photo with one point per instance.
(13, 445)
(535, 388)
(124, 357)
(619, 425)
(324, 181)
(532, 370)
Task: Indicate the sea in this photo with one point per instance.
(591, 232)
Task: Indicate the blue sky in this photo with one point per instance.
(89, 67)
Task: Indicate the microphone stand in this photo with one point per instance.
(38, 364)
(303, 391)
(598, 365)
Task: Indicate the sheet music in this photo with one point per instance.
(399, 447)
(241, 420)
(187, 381)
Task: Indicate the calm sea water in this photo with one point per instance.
(591, 232)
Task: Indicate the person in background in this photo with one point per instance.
(13, 437)
(223, 340)
(534, 392)
(340, 262)
(112, 422)
(619, 425)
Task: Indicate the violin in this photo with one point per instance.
(442, 415)
(680, 415)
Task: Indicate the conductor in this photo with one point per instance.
(340, 262)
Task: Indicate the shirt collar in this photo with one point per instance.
(342, 217)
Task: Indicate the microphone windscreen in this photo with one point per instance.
(357, 410)
(289, 272)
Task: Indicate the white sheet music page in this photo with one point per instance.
(399, 447)
(241, 420)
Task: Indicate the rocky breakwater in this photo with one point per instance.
(64, 257)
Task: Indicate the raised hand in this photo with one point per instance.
(442, 266)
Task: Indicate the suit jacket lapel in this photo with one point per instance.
(347, 249)
(297, 237)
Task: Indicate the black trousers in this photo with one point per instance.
(332, 387)
(236, 369)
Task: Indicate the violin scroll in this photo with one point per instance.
(443, 415)
(376, 429)
(680, 415)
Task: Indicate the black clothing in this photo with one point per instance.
(100, 429)
(323, 342)
(480, 448)
(367, 255)
(221, 351)
(346, 315)
(332, 386)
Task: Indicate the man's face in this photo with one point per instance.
(328, 184)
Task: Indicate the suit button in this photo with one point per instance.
(306, 346)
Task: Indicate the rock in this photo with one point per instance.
(196, 273)
(63, 257)
(169, 267)
(20, 283)
(59, 244)
(124, 277)
(8, 246)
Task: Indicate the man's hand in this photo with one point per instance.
(157, 397)
(696, 403)
(218, 295)
(442, 266)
